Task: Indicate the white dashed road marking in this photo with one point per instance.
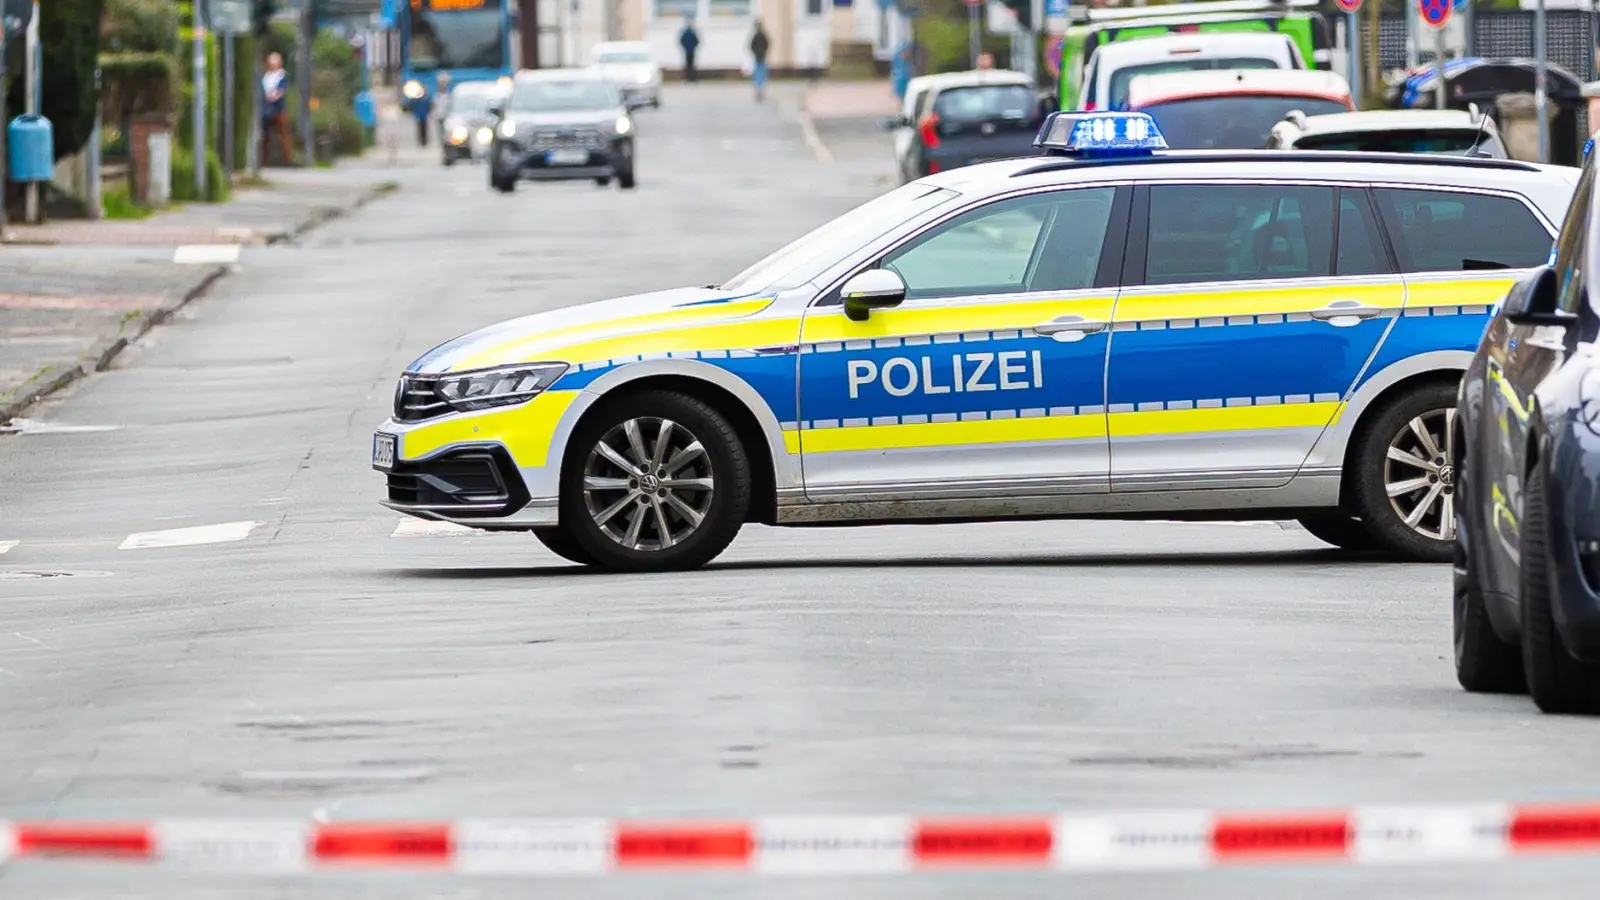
(196, 254)
(188, 537)
(5, 546)
(425, 527)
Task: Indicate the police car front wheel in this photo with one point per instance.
(653, 481)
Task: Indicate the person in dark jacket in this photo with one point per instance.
(689, 40)
(759, 45)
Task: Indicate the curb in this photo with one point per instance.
(102, 352)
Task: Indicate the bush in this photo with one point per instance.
(331, 53)
(118, 204)
(183, 177)
(141, 26)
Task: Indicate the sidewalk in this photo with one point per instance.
(843, 121)
(73, 294)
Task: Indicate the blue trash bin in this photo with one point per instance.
(31, 144)
(366, 109)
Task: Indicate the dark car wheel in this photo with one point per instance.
(1340, 530)
(1558, 682)
(1484, 663)
(1403, 478)
(625, 179)
(500, 183)
(654, 481)
(602, 182)
(449, 160)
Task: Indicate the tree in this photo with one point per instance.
(69, 40)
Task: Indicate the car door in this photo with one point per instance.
(989, 375)
(1519, 357)
(1248, 311)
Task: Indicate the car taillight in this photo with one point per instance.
(930, 131)
(1088, 105)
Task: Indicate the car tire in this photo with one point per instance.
(1484, 663)
(449, 160)
(1373, 473)
(602, 182)
(1342, 531)
(559, 542)
(503, 185)
(625, 179)
(602, 509)
(1558, 682)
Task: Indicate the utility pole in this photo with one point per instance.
(528, 15)
(228, 65)
(199, 100)
(1540, 104)
(308, 34)
(31, 88)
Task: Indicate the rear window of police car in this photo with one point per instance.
(1439, 231)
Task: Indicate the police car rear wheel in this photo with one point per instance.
(1404, 480)
(654, 481)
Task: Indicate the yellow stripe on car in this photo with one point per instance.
(525, 430)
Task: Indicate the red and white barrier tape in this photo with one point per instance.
(844, 845)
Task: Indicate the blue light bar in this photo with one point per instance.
(1100, 134)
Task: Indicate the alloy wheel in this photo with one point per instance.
(1419, 477)
(648, 484)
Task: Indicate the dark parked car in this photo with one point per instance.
(970, 117)
(1526, 460)
(562, 125)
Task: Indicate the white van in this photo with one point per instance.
(1114, 66)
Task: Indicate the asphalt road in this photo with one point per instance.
(323, 666)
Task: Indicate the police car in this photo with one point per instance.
(1109, 330)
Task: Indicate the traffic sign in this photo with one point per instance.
(1435, 13)
(1349, 6)
(225, 16)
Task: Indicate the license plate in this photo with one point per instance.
(383, 451)
(567, 157)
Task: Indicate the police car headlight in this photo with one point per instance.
(622, 125)
(645, 78)
(508, 129)
(413, 90)
(502, 386)
(458, 135)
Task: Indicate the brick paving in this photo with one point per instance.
(850, 99)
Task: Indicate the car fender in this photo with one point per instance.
(1330, 448)
(786, 465)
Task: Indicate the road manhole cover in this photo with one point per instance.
(47, 573)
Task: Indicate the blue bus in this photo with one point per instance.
(466, 40)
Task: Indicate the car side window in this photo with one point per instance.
(1569, 248)
(1449, 231)
(1040, 242)
(1238, 232)
(1360, 249)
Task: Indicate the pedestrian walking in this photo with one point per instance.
(275, 110)
(689, 40)
(759, 45)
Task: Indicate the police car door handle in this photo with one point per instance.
(1069, 328)
(1348, 310)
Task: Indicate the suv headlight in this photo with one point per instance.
(622, 125)
(413, 90)
(500, 386)
(508, 130)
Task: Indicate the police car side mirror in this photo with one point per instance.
(497, 109)
(870, 290)
(1532, 300)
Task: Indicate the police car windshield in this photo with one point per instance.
(561, 96)
(469, 102)
(621, 56)
(811, 255)
(1413, 140)
(1121, 78)
(1240, 122)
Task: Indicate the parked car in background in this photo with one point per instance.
(1233, 110)
(467, 126)
(1114, 66)
(956, 119)
(1450, 131)
(630, 68)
